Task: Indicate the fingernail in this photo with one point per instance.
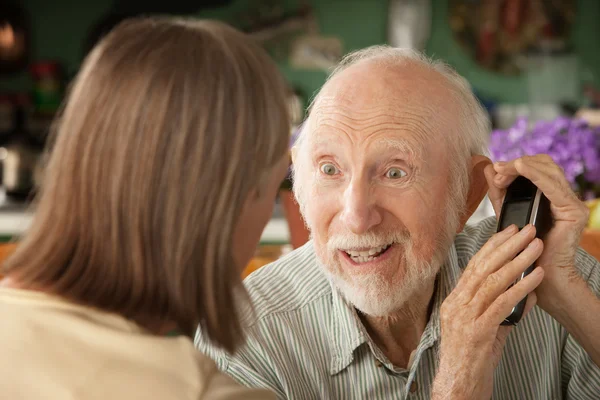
(526, 230)
(511, 228)
(534, 243)
(500, 164)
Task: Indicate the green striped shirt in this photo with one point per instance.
(306, 342)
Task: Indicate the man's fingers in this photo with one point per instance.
(495, 194)
(551, 169)
(504, 330)
(507, 251)
(469, 281)
(544, 177)
(497, 282)
(501, 308)
(499, 251)
(494, 242)
(503, 179)
(531, 301)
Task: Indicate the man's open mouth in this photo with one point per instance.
(366, 255)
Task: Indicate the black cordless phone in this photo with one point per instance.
(524, 204)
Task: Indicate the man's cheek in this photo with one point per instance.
(313, 221)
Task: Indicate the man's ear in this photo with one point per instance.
(478, 188)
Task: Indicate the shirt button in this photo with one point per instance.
(378, 363)
(413, 387)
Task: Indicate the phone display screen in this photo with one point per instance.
(515, 213)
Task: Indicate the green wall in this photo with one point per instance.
(585, 38)
(61, 25)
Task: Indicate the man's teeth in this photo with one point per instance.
(367, 255)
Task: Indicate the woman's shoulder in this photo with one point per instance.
(219, 386)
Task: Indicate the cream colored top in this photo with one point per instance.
(54, 349)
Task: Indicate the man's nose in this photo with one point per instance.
(360, 212)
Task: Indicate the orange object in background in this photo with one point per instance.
(299, 234)
(255, 264)
(5, 250)
(590, 242)
(264, 255)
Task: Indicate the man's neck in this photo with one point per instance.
(398, 335)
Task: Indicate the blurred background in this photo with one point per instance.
(529, 61)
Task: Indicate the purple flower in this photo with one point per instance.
(571, 143)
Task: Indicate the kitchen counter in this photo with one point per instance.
(16, 217)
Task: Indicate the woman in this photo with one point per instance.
(166, 162)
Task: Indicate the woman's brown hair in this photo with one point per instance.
(168, 127)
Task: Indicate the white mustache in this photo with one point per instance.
(349, 241)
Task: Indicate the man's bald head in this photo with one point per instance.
(402, 90)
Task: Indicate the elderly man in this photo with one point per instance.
(395, 297)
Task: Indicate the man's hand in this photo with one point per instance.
(563, 294)
(569, 213)
(471, 336)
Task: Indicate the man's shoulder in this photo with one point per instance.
(473, 237)
(286, 285)
(294, 284)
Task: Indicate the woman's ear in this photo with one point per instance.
(477, 189)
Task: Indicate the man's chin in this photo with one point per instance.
(375, 306)
(378, 294)
(373, 296)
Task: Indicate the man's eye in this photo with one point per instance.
(329, 169)
(395, 173)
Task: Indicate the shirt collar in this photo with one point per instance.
(348, 332)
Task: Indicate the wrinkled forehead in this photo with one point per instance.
(411, 128)
(370, 129)
(364, 101)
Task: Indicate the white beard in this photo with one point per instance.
(374, 293)
(378, 296)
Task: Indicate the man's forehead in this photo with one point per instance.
(362, 109)
(383, 108)
(400, 126)
(407, 106)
